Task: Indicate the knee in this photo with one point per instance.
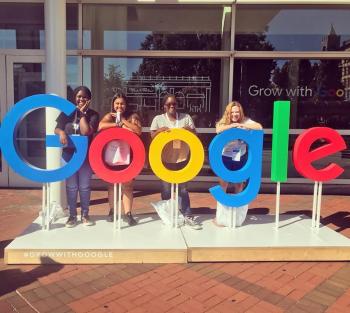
(183, 189)
(72, 187)
(128, 187)
(166, 192)
(84, 187)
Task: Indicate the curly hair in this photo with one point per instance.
(226, 117)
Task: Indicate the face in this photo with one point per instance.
(81, 98)
(235, 114)
(119, 105)
(170, 105)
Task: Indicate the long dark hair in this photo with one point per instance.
(117, 96)
(84, 89)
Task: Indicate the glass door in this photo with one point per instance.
(3, 165)
(26, 77)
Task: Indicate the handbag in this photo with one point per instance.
(117, 152)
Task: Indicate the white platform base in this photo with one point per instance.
(258, 240)
(152, 242)
(148, 242)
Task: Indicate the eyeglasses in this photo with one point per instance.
(170, 103)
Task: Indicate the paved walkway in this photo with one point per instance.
(202, 287)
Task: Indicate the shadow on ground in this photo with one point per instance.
(14, 278)
(340, 219)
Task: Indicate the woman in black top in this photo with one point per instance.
(83, 121)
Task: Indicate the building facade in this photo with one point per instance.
(205, 52)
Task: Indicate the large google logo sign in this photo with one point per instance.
(303, 156)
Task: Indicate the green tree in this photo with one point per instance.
(113, 82)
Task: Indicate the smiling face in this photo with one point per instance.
(170, 105)
(119, 105)
(235, 114)
(81, 98)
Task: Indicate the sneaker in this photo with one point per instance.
(129, 218)
(190, 221)
(110, 216)
(72, 221)
(87, 221)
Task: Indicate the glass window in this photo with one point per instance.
(292, 28)
(199, 84)
(72, 26)
(22, 26)
(319, 90)
(148, 27)
(29, 79)
(73, 78)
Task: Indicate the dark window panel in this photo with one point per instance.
(292, 28)
(141, 27)
(319, 90)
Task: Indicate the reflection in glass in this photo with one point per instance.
(145, 81)
(146, 27)
(72, 76)
(199, 84)
(319, 90)
(292, 28)
(29, 79)
(22, 26)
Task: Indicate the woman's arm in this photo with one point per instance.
(157, 131)
(252, 125)
(107, 122)
(62, 134)
(84, 125)
(222, 127)
(133, 123)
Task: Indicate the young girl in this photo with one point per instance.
(118, 117)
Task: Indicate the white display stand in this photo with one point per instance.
(258, 240)
(148, 242)
(152, 242)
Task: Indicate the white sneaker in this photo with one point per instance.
(87, 221)
(190, 221)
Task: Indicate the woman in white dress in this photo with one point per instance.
(235, 153)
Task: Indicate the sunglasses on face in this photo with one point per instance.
(170, 103)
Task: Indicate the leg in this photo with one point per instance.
(238, 187)
(72, 193)
(165, 190)
(110, 191)
(223, 184)
(185, 200)
(85, 174)
(127, 194)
